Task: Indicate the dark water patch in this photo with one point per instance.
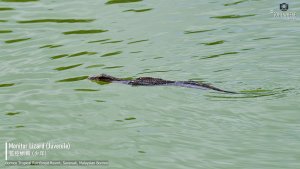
(7, 85)
(221, 70)
(119, 120)
(93, 66)
(231, 16)
(159, 57)
(6, 9)
(3, 20)
(136, 52)
(111, 54)
(130, 118)
(51, 46)
(102, 40)
(58, 21)
(235, 3)
(100, 101)
(92, 31)
(86, 90)
(6, 31)
(82, 53)
(141, 151)
(121, 1)
(67, 67)
(17, 40)
(218, 55)
(113, 67)
(102, 82)
(241, 97)
(138, 10)
(138, 41)
(214, 43)
(263, 38)
(12, 113)
(248, 49)
(198, 31)
(19, 0)
(117, 41)
(59, 56)
(73, 79)
(20, 126)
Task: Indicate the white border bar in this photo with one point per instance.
(5, 151)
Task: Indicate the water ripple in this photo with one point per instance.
(73, 79)
(95, 41)
(7, 85)
(86, 90)
(231, 16)
(121, 1)
(218, 55)
(93, 66)
(255, 93)
(138, 10)
(67, 67)
(19, 0)
(82, 53)
(117, 41)
(6, 31)
(58, 21)
(111, 53)
(214, 43)
(85, 31)
(235, 3)
(138, 41)
(198, 31)
(59, 56)
(51, 46)
(12, 113)
(113, 67)
(6, 9)
(17, 40)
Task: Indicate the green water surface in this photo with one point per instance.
(48, 48)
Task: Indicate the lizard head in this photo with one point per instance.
(104, 78)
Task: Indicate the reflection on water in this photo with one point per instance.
(235, 3)
(6, 31)
(218, 55)
(67, 67)
(232, 16)
(111, 53)
(198, 31)
(7, 85)
(73, 79)
(84, 32)
(16, 40)
(121, 1)
(95, 41)
(19, 0)
(12, 113)
(138, 10)
(51, 46)
(214, 43)
(6, 9)
(58, 21)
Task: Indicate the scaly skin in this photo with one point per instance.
(150, 81)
